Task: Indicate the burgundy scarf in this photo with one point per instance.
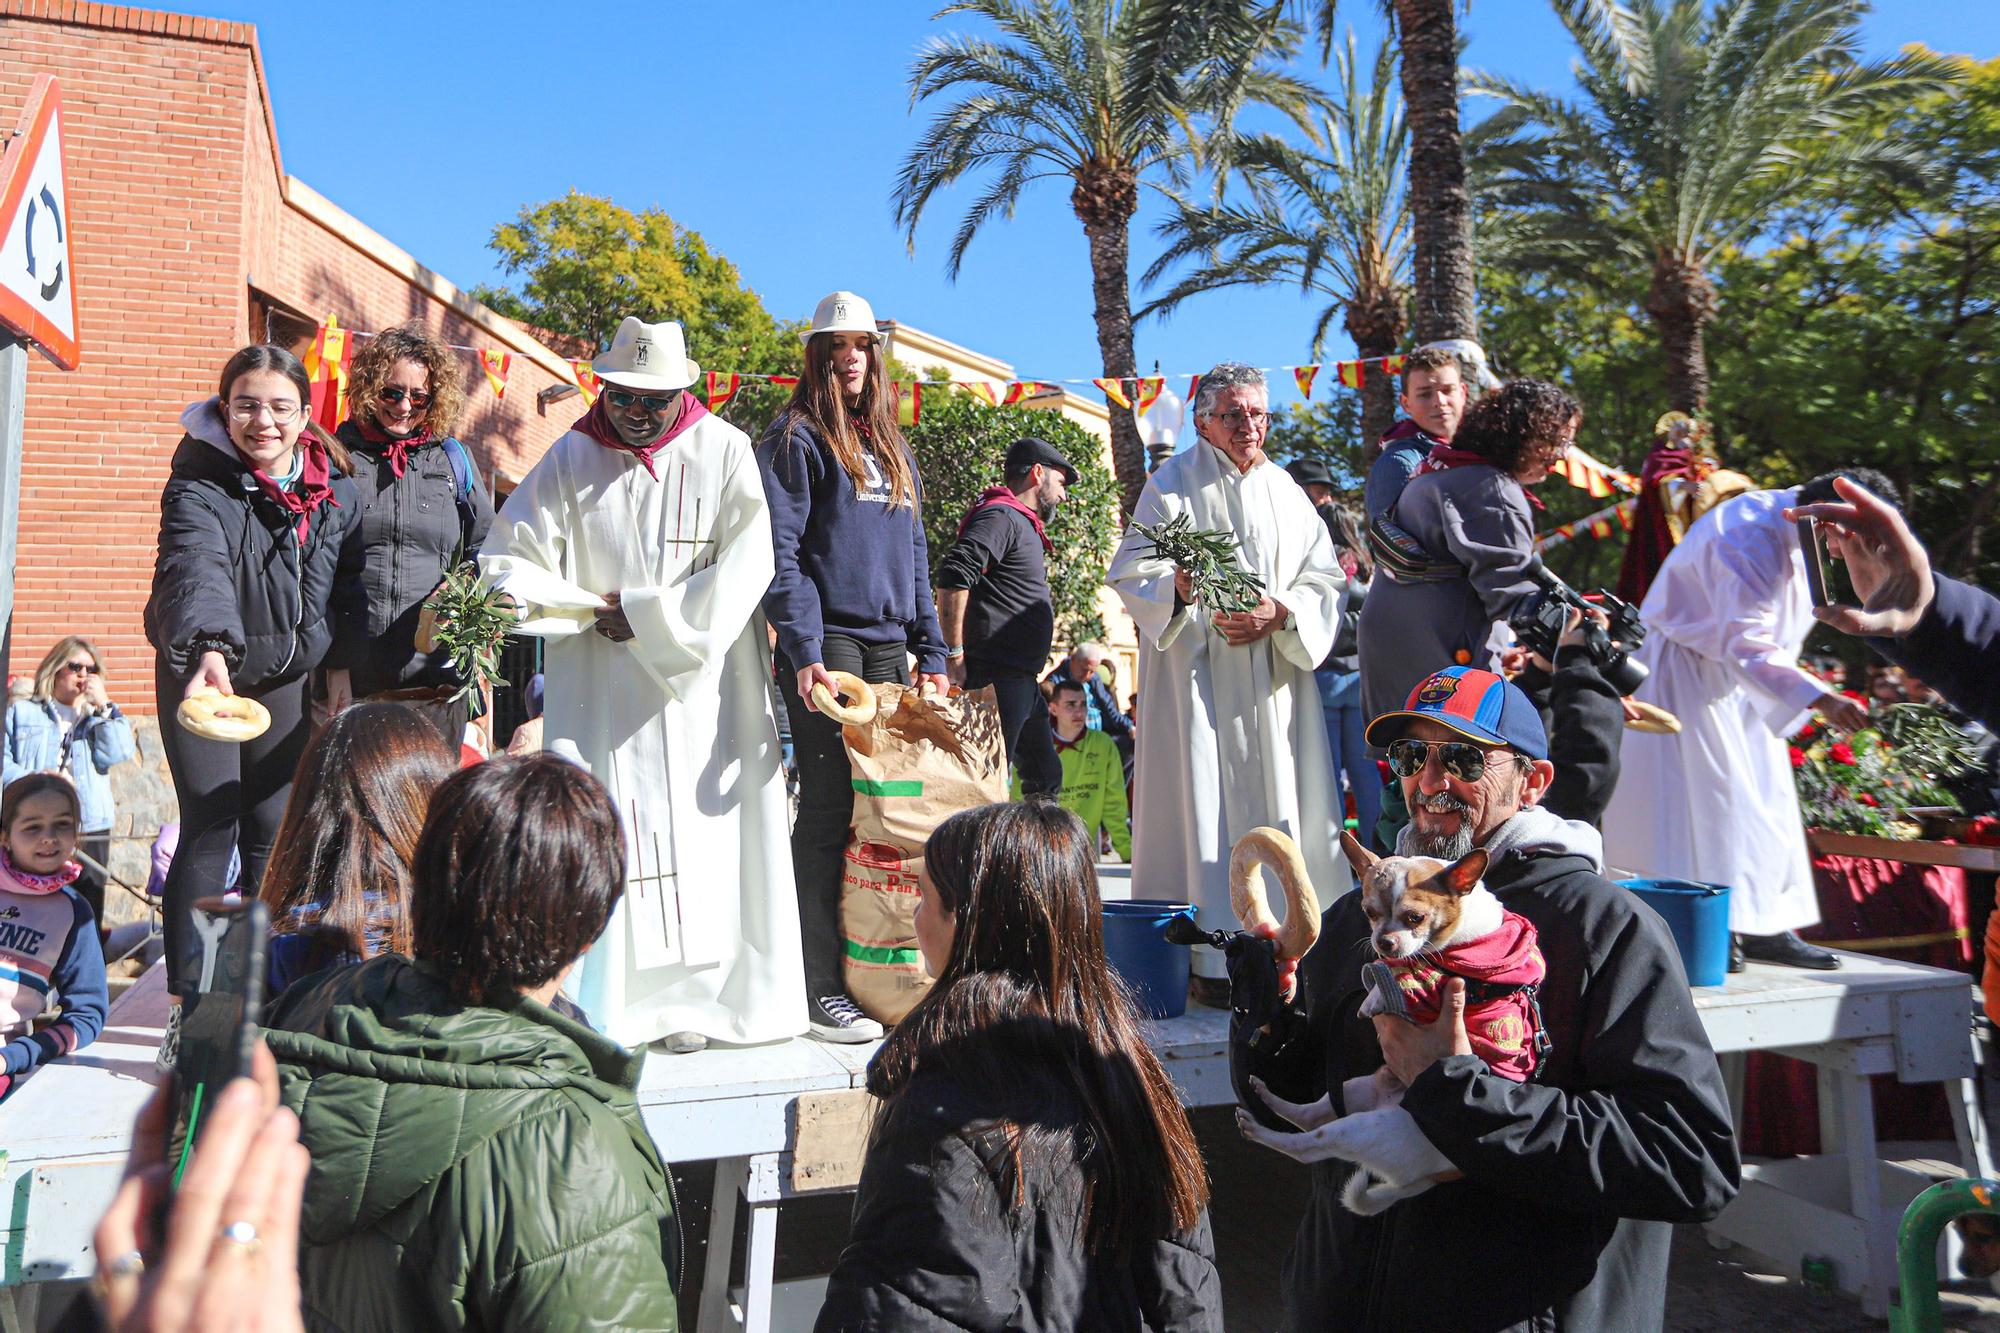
(597, 426)
(1442, 458)
(313, 488)
(395, 450)
(1000, 495)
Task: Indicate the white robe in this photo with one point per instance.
(1726, 618)
(1230, 738)
(677, 722)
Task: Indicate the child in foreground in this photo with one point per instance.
(48, 937)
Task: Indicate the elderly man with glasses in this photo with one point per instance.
(1624, 1128)
(1230, 732)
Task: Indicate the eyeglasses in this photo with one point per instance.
(1461, 759)
(620, 399)
(246, 409)
(83, 668)
(419, 398)
(1238, 420)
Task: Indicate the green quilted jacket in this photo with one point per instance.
(473, 1168)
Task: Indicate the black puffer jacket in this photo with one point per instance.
(409, 529)
(948, 1236)
(230, 574)
(1571, 1178)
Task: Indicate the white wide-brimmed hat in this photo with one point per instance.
(647, 357)
(842, 312)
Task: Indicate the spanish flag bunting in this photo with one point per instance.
(909, 401)
(586, 380)
(326, 366)
(1150, 390)
(1350, 374)
(1114, 389)
(1305, 375)
(986, 391)
(496, 365)
(1392, 365)
(721, 388)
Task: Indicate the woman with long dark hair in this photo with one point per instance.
(1030, 1156)
(851, 592)
(338, 884)
(253, 522)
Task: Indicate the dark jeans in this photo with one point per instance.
(232, 797)
(90, 884)
(826, 802)
(1024, 725)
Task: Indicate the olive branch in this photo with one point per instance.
(1209, 557)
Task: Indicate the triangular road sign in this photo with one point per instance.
(37, 272)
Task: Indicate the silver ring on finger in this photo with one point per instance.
(241, 1236)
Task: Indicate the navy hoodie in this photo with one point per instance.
(849, 561)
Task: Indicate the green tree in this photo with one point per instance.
(584, 262)
(1696, 128)
(1113, 95)
(961, 447)
(1334, 222)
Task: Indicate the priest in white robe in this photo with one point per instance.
(1230, 730)
(640, 548)
(1726, 617)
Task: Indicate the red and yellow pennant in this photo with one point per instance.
(909, 401)
(1114, 391)
(1350, 373)
(1150, 390)
(1305, 375)
(721, 388)
(326, 365)
(496, 365)
(586, 380)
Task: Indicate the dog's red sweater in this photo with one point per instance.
(1501, 1029)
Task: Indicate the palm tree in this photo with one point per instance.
(1114, 95)
(1335, 223)
(1696, 127)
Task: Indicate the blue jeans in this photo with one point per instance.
(1340, 701)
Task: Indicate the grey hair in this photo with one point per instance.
(1226, 375)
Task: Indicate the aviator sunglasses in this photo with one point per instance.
(1461, 759)
(621, 399)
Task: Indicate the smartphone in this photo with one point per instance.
(219, 1017)
(1825, 577)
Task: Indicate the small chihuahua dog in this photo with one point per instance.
(1425, 917)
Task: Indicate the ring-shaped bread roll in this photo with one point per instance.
(1653, 719)
(857, 714)
(215, 716)
(1273, 848)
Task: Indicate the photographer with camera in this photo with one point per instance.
(1729, 611)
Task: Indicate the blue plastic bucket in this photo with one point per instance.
(1698, 915)
(1135, 940)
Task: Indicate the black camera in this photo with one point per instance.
(1539, 622)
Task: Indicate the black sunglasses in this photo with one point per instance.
(87, 668)
(419, 398)
(620, 398)
(1461, 759)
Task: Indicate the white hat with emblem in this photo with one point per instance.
(842, 312)
(649, 357)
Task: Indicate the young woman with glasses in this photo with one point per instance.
(423, 510)
(253, 521)
(69, 725)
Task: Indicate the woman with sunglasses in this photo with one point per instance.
(852, 593)
(423, 510)
(253, 521)
(70, 726)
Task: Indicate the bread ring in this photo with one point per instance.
(215, 716)
(857, 714)
(1653, 720)
(1271, 847)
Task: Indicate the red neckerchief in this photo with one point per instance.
(1443, 458)
(597, 425)
(313, 488)
(1000, 495)
(397, 451)
(20, 881)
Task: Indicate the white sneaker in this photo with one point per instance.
(838, 1019)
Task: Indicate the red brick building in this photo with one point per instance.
(190, 241)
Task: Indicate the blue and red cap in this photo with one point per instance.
(1476, 704)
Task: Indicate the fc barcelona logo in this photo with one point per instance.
(1437, 689)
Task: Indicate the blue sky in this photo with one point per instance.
(775, 130)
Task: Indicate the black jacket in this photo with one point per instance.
(1586, 724)
(1955, 649)
(409, 529)
(948, 1236)
(1571, 1178)
(230, 574)
(1010, 618)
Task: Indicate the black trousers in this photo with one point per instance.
(826, 801)
(1024, 725)
(232, 798)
